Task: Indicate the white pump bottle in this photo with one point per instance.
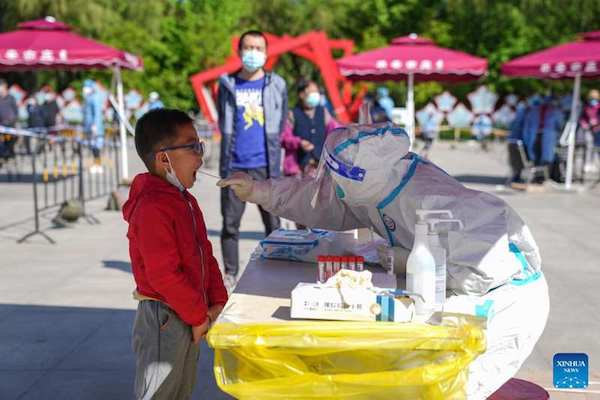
(421, 266)
(439, 255)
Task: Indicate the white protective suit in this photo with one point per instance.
(368, 178)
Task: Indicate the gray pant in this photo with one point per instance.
(166, 357)
(232, 209)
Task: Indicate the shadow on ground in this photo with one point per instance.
(244, 235)
(481, 179)
(124, 266)
(17, 177)
(49, 352)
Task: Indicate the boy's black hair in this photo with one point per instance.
(157, 128)
(251, 33)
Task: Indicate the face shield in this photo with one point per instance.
(361, 159)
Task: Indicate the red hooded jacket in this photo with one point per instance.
(171, 256)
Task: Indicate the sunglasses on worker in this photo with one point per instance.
(196, 147)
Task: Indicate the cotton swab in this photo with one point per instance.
(209, 174)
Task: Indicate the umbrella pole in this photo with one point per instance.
(572, 129)
(122, 131)
(410, 107)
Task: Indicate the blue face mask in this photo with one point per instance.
(593, 102)
(535, 100)
(313, 99)
(253, 60)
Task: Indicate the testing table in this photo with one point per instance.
(260, 353)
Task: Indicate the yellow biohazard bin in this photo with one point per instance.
(345, 360)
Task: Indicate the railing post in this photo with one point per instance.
(35, 206)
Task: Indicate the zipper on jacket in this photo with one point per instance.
(191, 208)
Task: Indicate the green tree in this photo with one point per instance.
(177, 38)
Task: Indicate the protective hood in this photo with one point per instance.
(362, 160)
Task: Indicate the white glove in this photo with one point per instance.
(241, 183)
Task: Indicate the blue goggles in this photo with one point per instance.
(343, 169)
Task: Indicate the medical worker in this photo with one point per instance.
(368, 178)
(93, 121)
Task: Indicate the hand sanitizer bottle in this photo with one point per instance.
(420, 268)
(439, 255)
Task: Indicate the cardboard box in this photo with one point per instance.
(315, 301)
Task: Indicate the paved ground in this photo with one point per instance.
(66, 310)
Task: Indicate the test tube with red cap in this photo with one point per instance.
(336, 264)
(352, 263)
(328, 267)
(321, 264)
(360, 263)
(344, 262)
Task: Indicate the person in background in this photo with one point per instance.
(252, 106)
(590, 123)
(35, 113)
(304, 135)
(305, 132)
(154, 101)
(35, 118)
(381, 109)
(385, 101)
(429, 132)
(93, 121)
(50, 108)
(538, 126)
(8, 117)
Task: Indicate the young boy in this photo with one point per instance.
(179, 285)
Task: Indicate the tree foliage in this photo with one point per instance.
(179, 38)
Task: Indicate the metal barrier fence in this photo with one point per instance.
(62, 165)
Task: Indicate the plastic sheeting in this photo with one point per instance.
(346, 360)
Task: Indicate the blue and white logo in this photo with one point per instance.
(389, 222)
(571, 370)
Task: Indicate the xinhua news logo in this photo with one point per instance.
(571, 370)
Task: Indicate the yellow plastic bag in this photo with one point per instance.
(345, 360)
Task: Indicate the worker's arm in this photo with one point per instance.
(293, 198)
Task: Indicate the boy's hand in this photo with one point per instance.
(214, 311)
(306, 145)
(199, 331)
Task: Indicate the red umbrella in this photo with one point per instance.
(50, 44)
(567, 60)
(47, 43)
(412, 57)
(579, 59)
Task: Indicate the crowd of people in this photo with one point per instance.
(44, 112)
(539, 125)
